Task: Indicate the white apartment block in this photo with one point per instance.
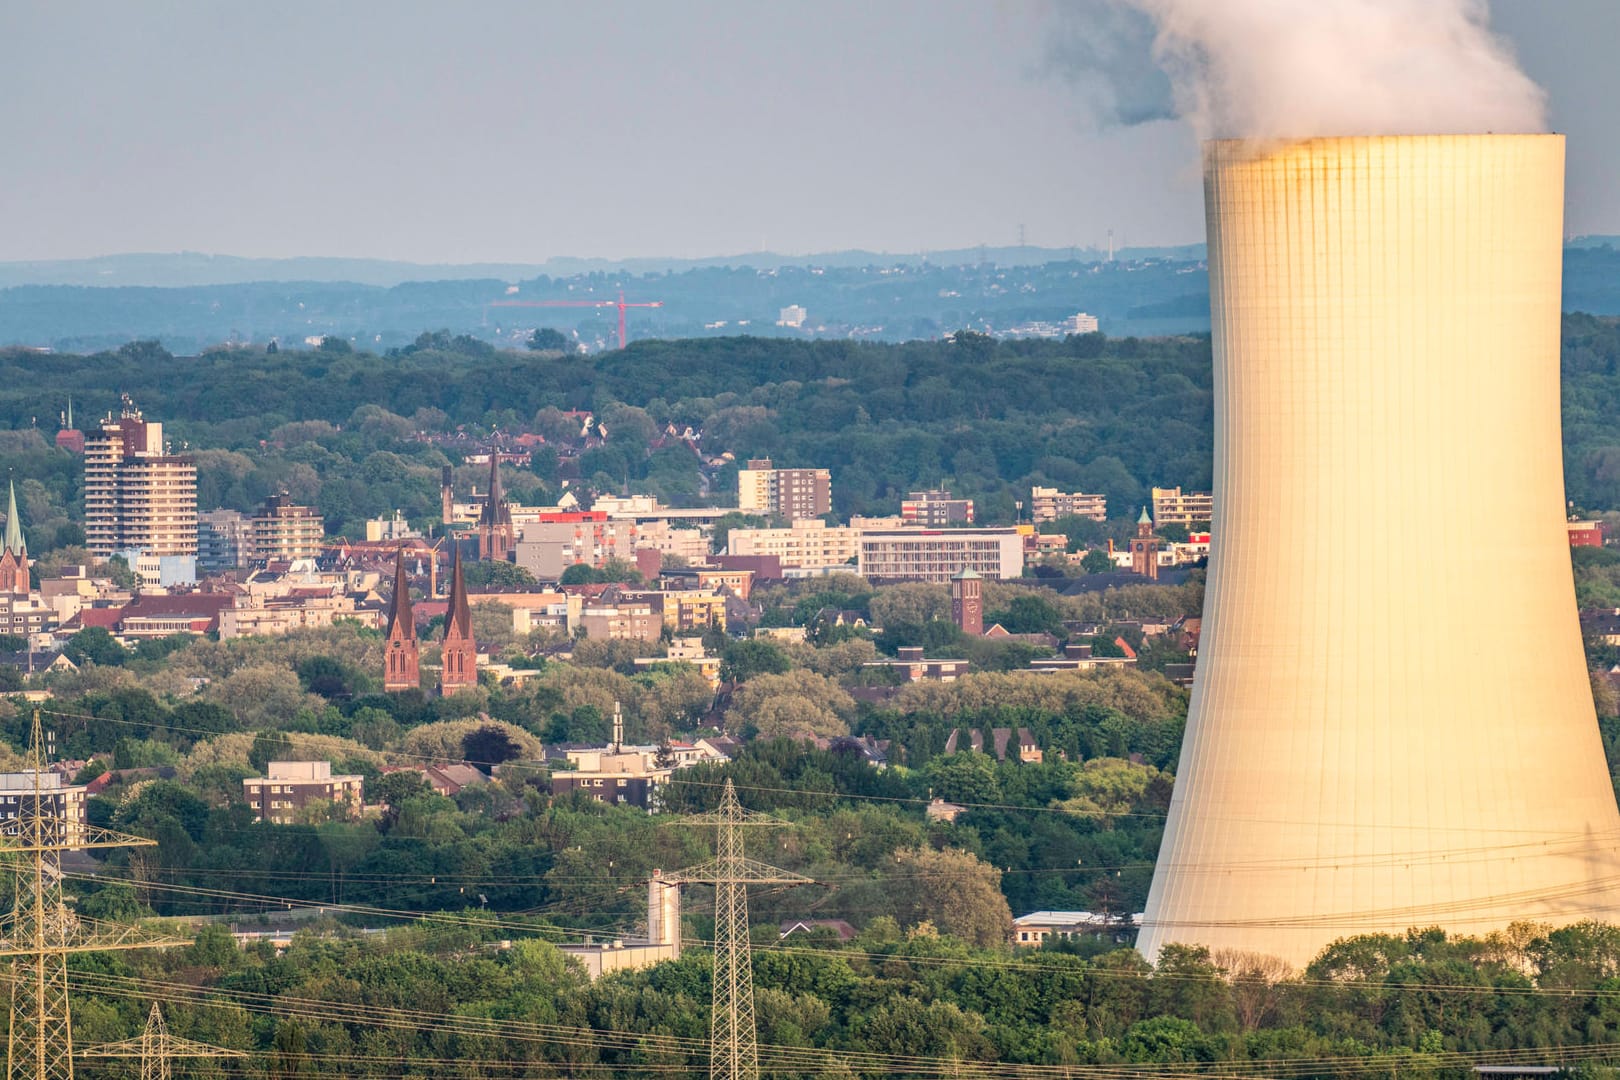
(270, 616)
(1049, 504)
(689, 544)
(292, 785)
(1172, 507)
(937, 555)
(807, 545)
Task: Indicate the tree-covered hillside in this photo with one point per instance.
(344, 429)
(341, 428)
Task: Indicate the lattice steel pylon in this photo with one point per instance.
(157, 1049)
(40, 931)
(733, 1037)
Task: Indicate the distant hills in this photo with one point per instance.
(189, 268)
(191, 302)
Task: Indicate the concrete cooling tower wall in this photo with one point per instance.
(1391, 724)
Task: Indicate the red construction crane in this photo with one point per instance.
(620, 303)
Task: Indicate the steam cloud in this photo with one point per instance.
(1284, 68)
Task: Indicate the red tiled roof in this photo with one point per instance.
(202, 605)
(104, 617)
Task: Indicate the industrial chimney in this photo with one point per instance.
(1391, 723)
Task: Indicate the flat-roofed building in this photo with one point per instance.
(582, 537)
(687, 651)
(935, 509)
(936, 555)
(224, 540)
(786, 493)
(1171, 506)
(1034, 929)
(137, 496)
(289, 786)
(693, 609)
(914, 667)
(1586, 534)
(60, 802)
(739, 581)
(615, 773)
(301, 609)
(807, 545)
(1049, 504)
(626, 617)
(282, 530)
(663, 940)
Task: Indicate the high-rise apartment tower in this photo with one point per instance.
(137, 495)
(785, 493)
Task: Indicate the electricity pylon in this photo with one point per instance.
(40, 931)
(157, 1049)
(733, 1036)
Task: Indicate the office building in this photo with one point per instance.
(561, 539)
(937, 555)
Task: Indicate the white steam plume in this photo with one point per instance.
(1287, 68)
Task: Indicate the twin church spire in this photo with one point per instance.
(401, 657)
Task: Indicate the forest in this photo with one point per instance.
(352, 433)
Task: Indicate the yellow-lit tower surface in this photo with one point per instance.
(1391, 724)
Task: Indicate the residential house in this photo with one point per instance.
(60, 803)
(289, 786)
(1036, 928)
(914, 667)
(1077, 657)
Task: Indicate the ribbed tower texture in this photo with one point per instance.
(1391, 724)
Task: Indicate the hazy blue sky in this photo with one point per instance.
(515, 130)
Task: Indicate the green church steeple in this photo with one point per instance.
(14, 534)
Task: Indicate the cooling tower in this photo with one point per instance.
(1391, 724)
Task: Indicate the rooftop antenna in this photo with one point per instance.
(1110, 245)
(618, 728)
